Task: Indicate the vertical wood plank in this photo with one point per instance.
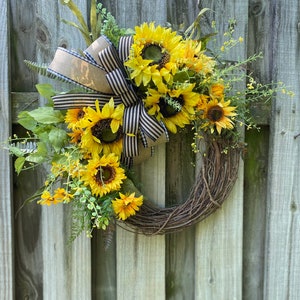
(218, 266)
(255, 194)
(180, 247)
(46, 266)
(28, 247)
(73, 262)
(6, 207)
(140, 259)
(256, 159)
(282, 264)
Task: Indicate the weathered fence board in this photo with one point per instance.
(140, 257)
(47, 267)
(180, 247)
(256, 156)
(6, 210)
(248, 249)
(256, 169)
(218, 268)
(282, 263)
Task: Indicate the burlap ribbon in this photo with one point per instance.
(102, 73)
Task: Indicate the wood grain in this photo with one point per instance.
(6, 206)
(249, 249)
(141, 259)
(255, 195)
(47, 268)
(180, 247)
(282, 264)
(218, 265)
(256, 157)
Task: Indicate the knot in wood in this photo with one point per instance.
(257, 8)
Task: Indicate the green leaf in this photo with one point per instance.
(77, 13)
(40, 155)
(19, 163)
(57, 138)
(26, 120)
(46, 90)
(181, 76)
(16, 151)
(47, 115)
(85, 34)
(93, 19)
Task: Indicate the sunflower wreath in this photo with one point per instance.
(130, 90)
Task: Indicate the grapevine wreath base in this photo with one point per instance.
(212, 186)
(128, 91)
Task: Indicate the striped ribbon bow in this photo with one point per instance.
(102, 73)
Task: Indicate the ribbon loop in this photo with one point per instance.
(102, 71)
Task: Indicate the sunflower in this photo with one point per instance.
(195, 59)
(103, 174)
(174, 107)
(103, 129)
(73, 116)
(127, 205)
(218, 114)
(154, 54)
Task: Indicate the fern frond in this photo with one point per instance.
(108, 236)
(40, 68)
(26, 147)
(81, 221)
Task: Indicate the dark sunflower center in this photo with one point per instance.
(105, 175)
(80, 114)
(102, 131)
(170, 106)
(215, 113)
(155, 53)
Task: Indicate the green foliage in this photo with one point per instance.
(46, 135)
(101, 23)
(88, 211)
(82, 26)
(109, 26)
(40, 68)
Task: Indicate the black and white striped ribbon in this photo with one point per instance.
(112, 82)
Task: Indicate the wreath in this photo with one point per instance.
(131, 89)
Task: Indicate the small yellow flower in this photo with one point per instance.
(250, 86)
(76, 135)
(216, 90)
(61, 195)
(127, 205)
(47, 199)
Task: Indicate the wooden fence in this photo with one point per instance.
(249, 249)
